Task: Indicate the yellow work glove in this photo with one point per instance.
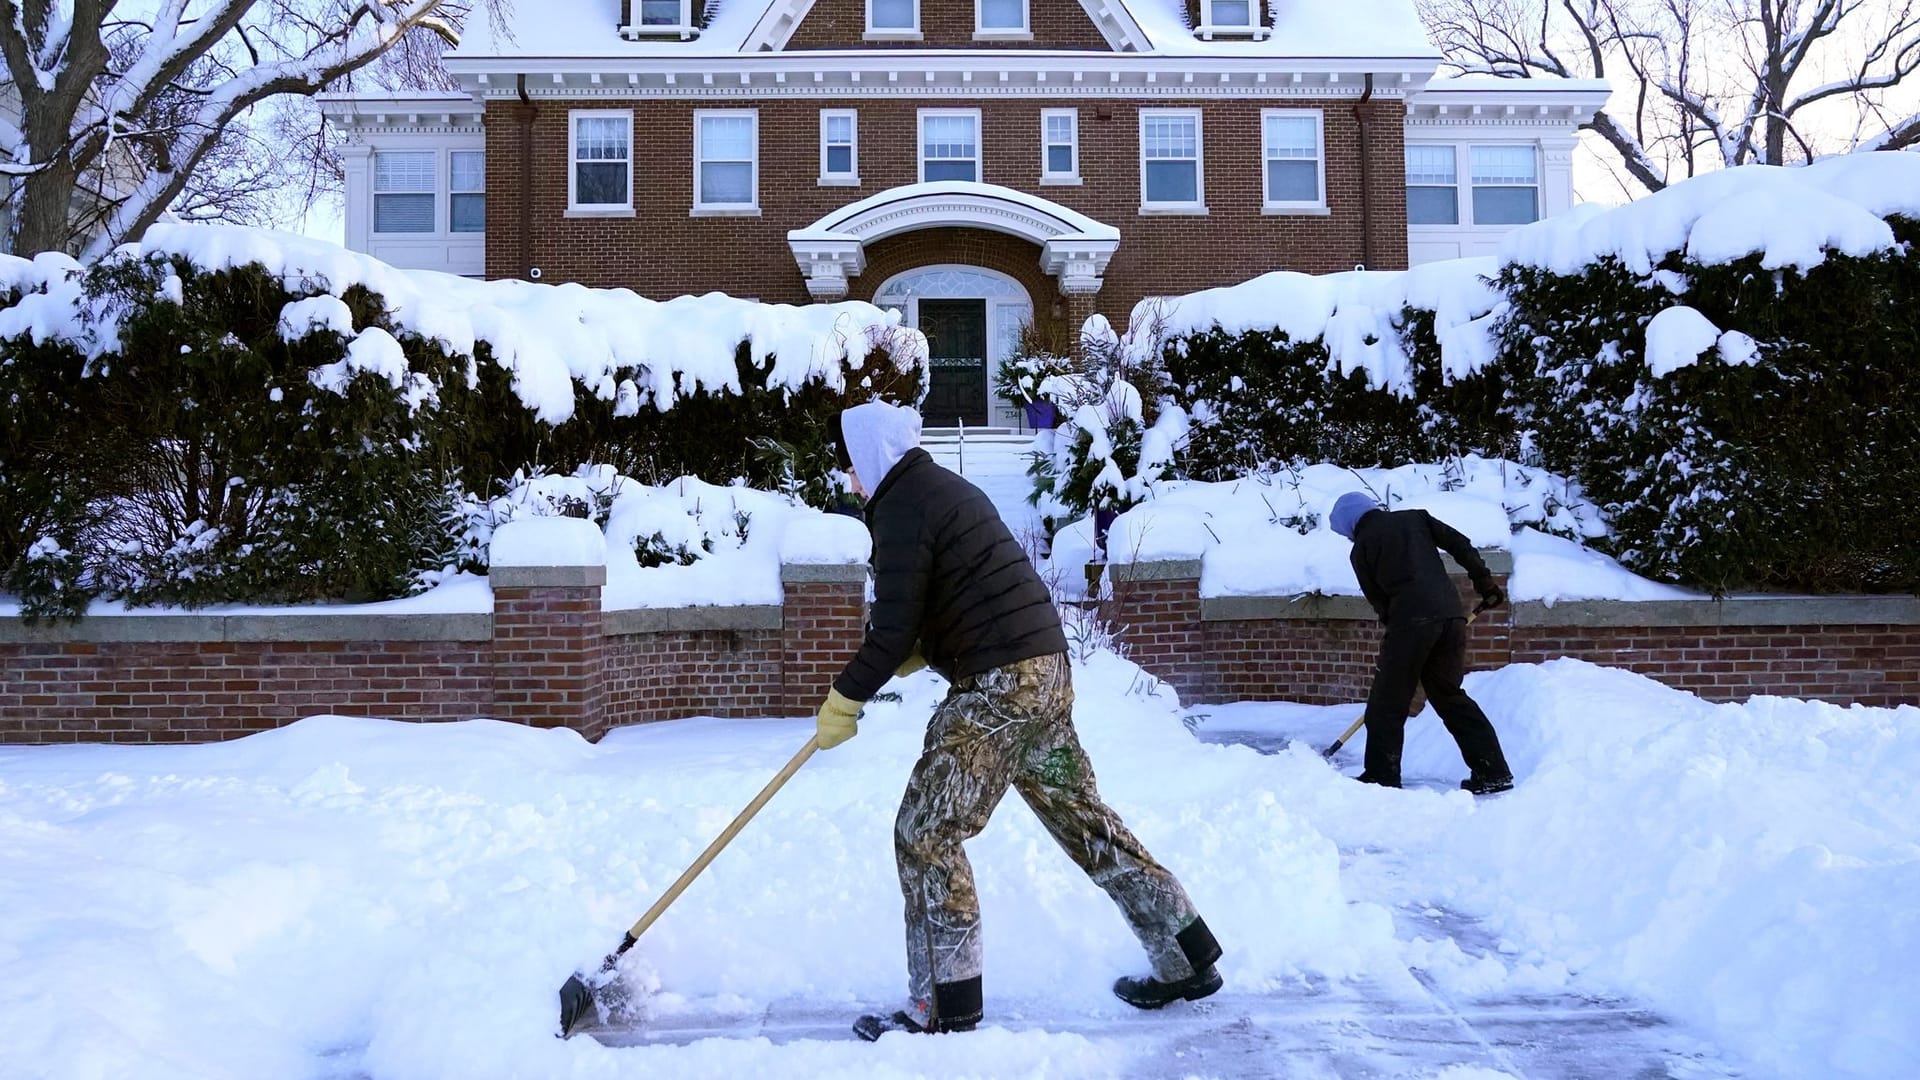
(911, 664)
(839, 720)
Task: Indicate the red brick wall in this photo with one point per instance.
(663, 252)
(1874, 665)
(823, 624)
(842, 24)
(547, 645)
(663, 676)
(158, 692)
(1323, 661)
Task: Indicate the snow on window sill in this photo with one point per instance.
(1295, 210)
(839, 181)
(1178, 210)
(724, 211)
(599, 212)
(635, 33)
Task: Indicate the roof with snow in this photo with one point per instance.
(554, 29)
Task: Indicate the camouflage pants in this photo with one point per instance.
(1013, 726)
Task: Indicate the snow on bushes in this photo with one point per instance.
(218, 413)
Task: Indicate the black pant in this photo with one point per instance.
(1433, 655)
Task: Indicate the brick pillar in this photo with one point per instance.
(822, 622)
(1155, 614)
(549, 633)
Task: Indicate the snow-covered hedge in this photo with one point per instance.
(1727, 368)
(1723, 366)
(227, 414)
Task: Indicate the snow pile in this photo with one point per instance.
(687, 543)
(354, 897)
(1358, 315)
(1680, 335)
(1266, 535)
(615, 344)
(1789, 216)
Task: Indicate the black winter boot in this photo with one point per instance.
(1487, 785)
(1383, 781)
(1201, 950)
(958, 1009)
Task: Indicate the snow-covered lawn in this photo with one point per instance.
(352, 897)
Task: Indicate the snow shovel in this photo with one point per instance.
(1348, 734)
(577, 996)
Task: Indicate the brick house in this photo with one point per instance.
(977, 164)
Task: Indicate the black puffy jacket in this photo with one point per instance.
(1396, 556)
(948, 574)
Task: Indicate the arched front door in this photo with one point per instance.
(972, 318)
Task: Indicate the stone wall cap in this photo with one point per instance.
(547, 577)
(1155, 570)
(302, 626)
(805, 572)
(629, 621)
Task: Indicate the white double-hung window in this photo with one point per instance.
(1000, 18)
(726, 165)
(1295, 168)
(658, 16)
(1059, 146)
(1506, 184)
(839, 146)
(467, 191)
(600, 177)
(1171, 165)
(403, 191)
(1433, 185)
(949, 144)
(1230, 14)
(893, 18)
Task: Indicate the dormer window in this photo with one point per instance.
(893, 20)
(662, 17)
(1230, 17)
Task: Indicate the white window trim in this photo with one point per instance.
(846, 179)
(1199, 205)
(1072, 176)
(979, 141)
(894, 33)
(1208, 29)
(374, 193)
(1463, 168)
(1462, 203)
(1023, 32)
(1298, 206)
(574, 207)
(683, 29)
(701, 209)
(449, 152)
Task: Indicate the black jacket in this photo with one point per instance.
(948, 574)
(1397, 559)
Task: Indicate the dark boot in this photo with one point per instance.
(1201, 951)
(958, 1008)
(1487, 785)
(1367, 777)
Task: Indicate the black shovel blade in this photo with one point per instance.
(576, 1001)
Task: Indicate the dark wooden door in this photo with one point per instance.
(957, 344)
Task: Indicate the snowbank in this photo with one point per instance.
(354, 897)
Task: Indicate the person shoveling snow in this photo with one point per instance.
(954, 591)
(1396, 557)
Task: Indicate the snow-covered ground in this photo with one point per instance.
(1676, 888)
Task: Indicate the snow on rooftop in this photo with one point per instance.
(1302, 28)
(1532, 84)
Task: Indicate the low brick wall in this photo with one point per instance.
(546, 655)
(1321, 649)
